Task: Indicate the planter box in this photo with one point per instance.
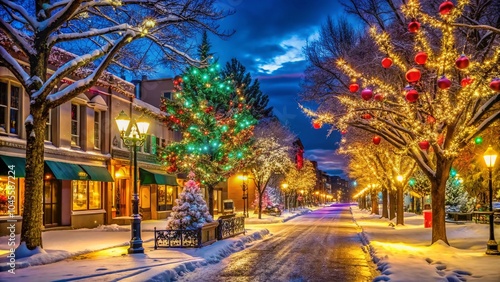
(209, 233)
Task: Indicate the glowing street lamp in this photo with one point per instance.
(284, 187)
(490, 156)
(136, 136)
(244, 186)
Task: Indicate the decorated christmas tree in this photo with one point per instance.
(190, 210)
(215, 122)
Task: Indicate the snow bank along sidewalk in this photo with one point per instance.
(405, 253)
(285, 216)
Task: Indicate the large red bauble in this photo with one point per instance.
(444, 83)
(316, 125)
(366, 116)
(421, 58)
(424, 145)
(413, 75)
(366, 94)
(431, 119)
(376, 140)
(466, 81)
(378, 97)
(386, 62)
(413, 26)
(412, 96)
(353, 87)
(495, 84)
(462, 62)
(446, 7)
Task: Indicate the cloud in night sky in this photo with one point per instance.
(269, 39)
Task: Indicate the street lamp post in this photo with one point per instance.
(244, 188)
(490, 156)
(285, 186)
(135, 138)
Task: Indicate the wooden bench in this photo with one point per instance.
(460, 216)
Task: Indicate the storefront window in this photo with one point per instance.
(86, 195)
(162, 203)
(9, 197)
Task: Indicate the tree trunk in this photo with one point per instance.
(385, 212)
(375, 209)
(260, 204)
(400, 206)
(438, 195)
(31, 230)
(392, 205)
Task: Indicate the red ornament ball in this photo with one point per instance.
(431, 119)
(413, 26)
(462, 62)
(424, 145)
(366, 94)
(379, 97)
(386, 62)
(413, 75)
(495, 84)
(343, 132)
(366, 116)
(421, 58)
(443, 83)
(466, 81)
(446, 7)
(353, 87)
(412, 96)
(376, 140)
(316, 125)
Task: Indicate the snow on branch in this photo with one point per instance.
(21, 11)
(16, 37)
(14, 66)
(91, 33)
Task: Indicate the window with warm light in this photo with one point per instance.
(87, 195)
(10, 108)
(8, 190)
(75, 125)
(97, 130)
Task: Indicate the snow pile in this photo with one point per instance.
(22, 251)
(111, 228)
(285, 216)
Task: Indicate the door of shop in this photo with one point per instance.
(121, 198)
(51, 203)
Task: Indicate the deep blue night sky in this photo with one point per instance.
(269, 41)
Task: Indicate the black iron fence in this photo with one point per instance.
(229, 226)
(178, 238)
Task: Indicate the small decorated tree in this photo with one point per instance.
(190, 211)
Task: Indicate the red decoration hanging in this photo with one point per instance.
(209, 109)
(412, 96)
(466, 81)
(462, 62)
(446, 7)
(317, 125)
(421, 58)
(430, 119)
(413, 75)
(376, 140)
(440, 140)
(387, 62)
(424, 145)
(379, 97)
(495, 84)
(366, 94)
(343, 132)
(366, 116)
(443, 83)
(413, 26)
(353, 87)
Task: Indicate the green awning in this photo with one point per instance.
(98, 173)
(156, 177)
(67, 171)
(15, 164)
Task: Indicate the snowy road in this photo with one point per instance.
(320, 246)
